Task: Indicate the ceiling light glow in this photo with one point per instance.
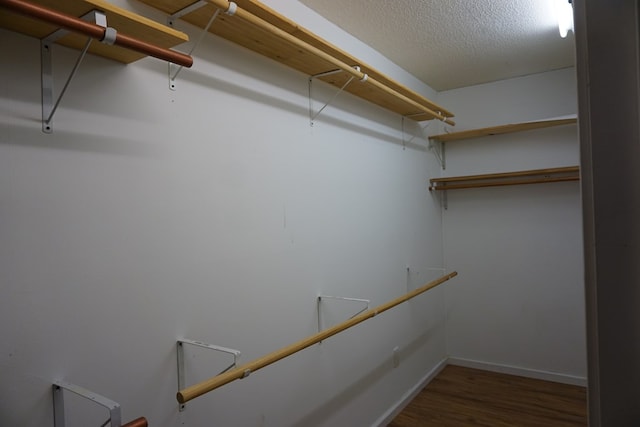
(564, 13)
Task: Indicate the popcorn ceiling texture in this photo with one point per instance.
(456, 43)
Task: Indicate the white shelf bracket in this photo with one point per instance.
(171, 22)
(321, 326)
(115, 418)
(313, 115)
(444, 199)
(438, 148)
(49, 106)
(180, 354)
(404, 132)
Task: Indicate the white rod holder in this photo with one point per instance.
(358, 300)
(180, 354)
(58, 387)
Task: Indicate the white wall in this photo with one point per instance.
(214, 213)
(519, 300)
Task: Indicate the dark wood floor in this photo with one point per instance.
(471, 397)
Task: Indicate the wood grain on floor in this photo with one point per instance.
(461, 396)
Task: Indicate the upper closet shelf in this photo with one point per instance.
(496, 130)
(134, 29)
(253, 25)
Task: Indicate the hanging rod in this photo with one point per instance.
(77, 25)
(247, 16)
(243, 371)
(138, 422)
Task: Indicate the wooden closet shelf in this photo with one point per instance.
(536, 176)
(271, 45)
(122, 20)
(497, 130)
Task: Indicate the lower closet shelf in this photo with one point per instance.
(536, 176)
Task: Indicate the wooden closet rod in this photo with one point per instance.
(243, 371)
(224, 5)
(77, 25)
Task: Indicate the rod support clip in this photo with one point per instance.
(110, 35)
(233, 8)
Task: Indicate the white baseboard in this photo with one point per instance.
(392, 412)
(523, 372)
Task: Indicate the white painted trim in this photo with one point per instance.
(515, 370)
(392, 412)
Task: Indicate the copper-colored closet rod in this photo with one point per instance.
(138, 422)
(77, 25)
(243, 371)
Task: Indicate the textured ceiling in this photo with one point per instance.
(455, 43)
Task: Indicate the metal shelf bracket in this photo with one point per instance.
(180, 354)
(185, 11)
(440, 152)
(438, 148)
(423, 129)
(321, 326)
(115, 418)
(444, 199)
(49, 106)
(171, 22)
(313, 115)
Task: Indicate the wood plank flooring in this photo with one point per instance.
(470, 397)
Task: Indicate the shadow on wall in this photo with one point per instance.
(30, 135)
(411, 134)
(209, 81)
(320, 415)
(19, 410)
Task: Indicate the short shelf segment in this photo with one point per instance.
(497, 130)
(536, 176)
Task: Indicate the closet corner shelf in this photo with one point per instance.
(122, 20)
(536, 176)
(497, 130)
(241, 28)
